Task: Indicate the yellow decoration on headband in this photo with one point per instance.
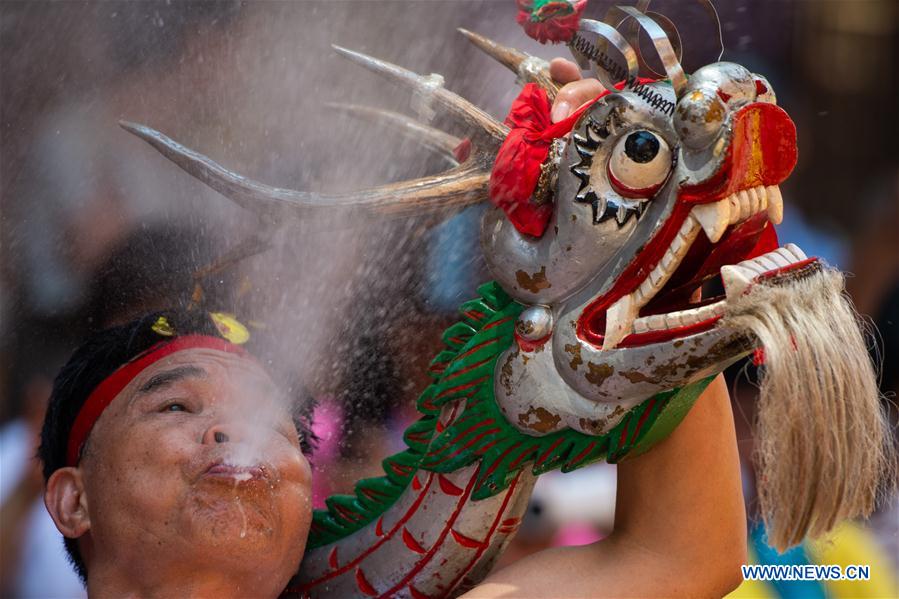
(162, 327)
(230, 328)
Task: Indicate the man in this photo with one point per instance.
(173, 466)
(172, 469)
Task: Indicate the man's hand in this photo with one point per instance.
(576, 90)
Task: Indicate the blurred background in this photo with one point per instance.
(96, 227)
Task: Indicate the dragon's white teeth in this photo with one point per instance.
(619, 321)
(681, 318)
(756, 195)
(737, 207)
(714, 218)
(796, 251)
(736, 280)
(770, 263)
(775, 204)
(780, 257)
(743, 195)
(738, 277)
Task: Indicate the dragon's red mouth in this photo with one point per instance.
(661, 303)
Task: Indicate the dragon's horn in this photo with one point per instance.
(434, 139)
(529, 69)
(456, 188)
(663, 46)
(486, 129)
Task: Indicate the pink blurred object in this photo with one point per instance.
(326, 422)
(576, 533)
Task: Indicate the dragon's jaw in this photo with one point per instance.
(647, 313)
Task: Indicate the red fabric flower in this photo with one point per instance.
(550, 21)
(517, 166)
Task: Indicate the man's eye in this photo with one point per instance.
(174, 406)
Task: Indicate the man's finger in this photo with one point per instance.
(564, 71)
(573, 95)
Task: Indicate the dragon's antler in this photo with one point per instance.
(446, 145)
(529, 69)
(460, 186)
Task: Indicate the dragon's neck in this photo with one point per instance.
(447, 505)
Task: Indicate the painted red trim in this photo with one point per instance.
(379, 527)
(581, 455)
(440, 539)
(346, 513)
(332, 558)
(486, 541)
(549, 450)
(478, 424)
(110, 388)
(399, 469)
(501, 457)
(468, 368)
(643, 417)
(416, 594)
(636, 271)
(771, 274)
(447, 486)
(622, 437)
(416, 484)
(363, 584)
(463, 387)
(635, 339)
(411, 543)
(645, 193)
(496, 323)
(486, 447)
(467, 445)
(477, 347)
(529, 346)
(400, 523)
(466, 542)
(520, 457)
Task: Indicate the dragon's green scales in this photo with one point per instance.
(465, 371)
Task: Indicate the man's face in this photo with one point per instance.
(197, 461)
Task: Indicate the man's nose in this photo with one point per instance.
(223, 432)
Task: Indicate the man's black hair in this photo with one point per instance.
(100, 356)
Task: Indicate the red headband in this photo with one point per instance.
(106, 391)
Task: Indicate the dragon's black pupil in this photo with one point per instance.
(641, 146)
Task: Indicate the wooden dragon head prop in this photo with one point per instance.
(590, 344)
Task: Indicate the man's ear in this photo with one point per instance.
(66, 500)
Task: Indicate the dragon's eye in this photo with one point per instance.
(639, 164)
